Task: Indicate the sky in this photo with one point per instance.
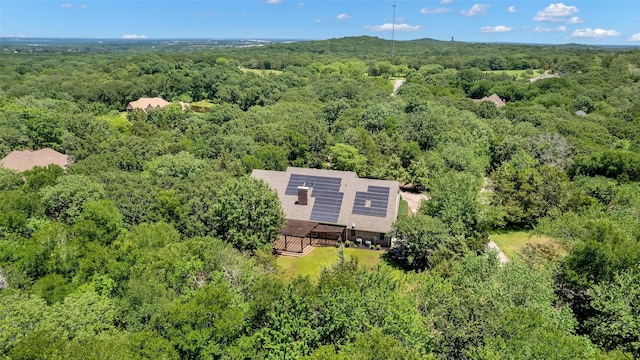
(596, 22)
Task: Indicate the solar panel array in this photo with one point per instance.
(326, 208)
(378, 198)
(328, 198)
(326, 190)
(322, 183)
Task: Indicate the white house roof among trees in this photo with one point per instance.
(27, 160)
(147, 104)
(335, 197)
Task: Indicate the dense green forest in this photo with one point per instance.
(147, 247)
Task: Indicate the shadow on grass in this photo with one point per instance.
(395, 262)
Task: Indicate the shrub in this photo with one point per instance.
(377, 246)
(347, 243)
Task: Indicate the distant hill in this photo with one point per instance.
(415, 53)
(374, 47)
(361, 47)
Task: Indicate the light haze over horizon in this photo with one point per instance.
(599, 22)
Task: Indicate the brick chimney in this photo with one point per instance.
(303, 195)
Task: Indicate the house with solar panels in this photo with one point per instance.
(325, 206)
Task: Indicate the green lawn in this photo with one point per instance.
(322, 257)
(512, 242)
(518, 73)
(203, 104)
(403, 208)
(261, 71)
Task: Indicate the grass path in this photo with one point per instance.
(512, 242)
(322, 257)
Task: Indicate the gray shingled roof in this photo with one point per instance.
(350, 184)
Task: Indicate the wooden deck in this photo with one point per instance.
(306, 251)
(291, 244)
(295, 246)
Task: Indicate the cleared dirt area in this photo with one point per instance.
(413, 199)
(396, 85)
(501, 256)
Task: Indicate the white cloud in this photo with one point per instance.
(444, 2)
(273, 2)
(71, 6)
(300, 4)
(407, 28)
(635, 37)
(594, 33)
(555, 13)
(546, 29)
(397, 27)
(317, 21)
(434, 11)
(343, 17)
(512, 9)
(3, 35)
(134, 36)
(575, 20)
(495, 29)
(476, 9)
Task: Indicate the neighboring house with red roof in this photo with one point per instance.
(27, 160)
(494, 98)
(146, 104)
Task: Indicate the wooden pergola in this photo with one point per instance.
(298, 234)
(325, 234)
(294, 236)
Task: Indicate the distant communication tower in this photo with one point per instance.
(393, 30)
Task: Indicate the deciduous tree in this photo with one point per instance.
(346, 157)
(247, 213)
(65, 200)
(425, 241)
